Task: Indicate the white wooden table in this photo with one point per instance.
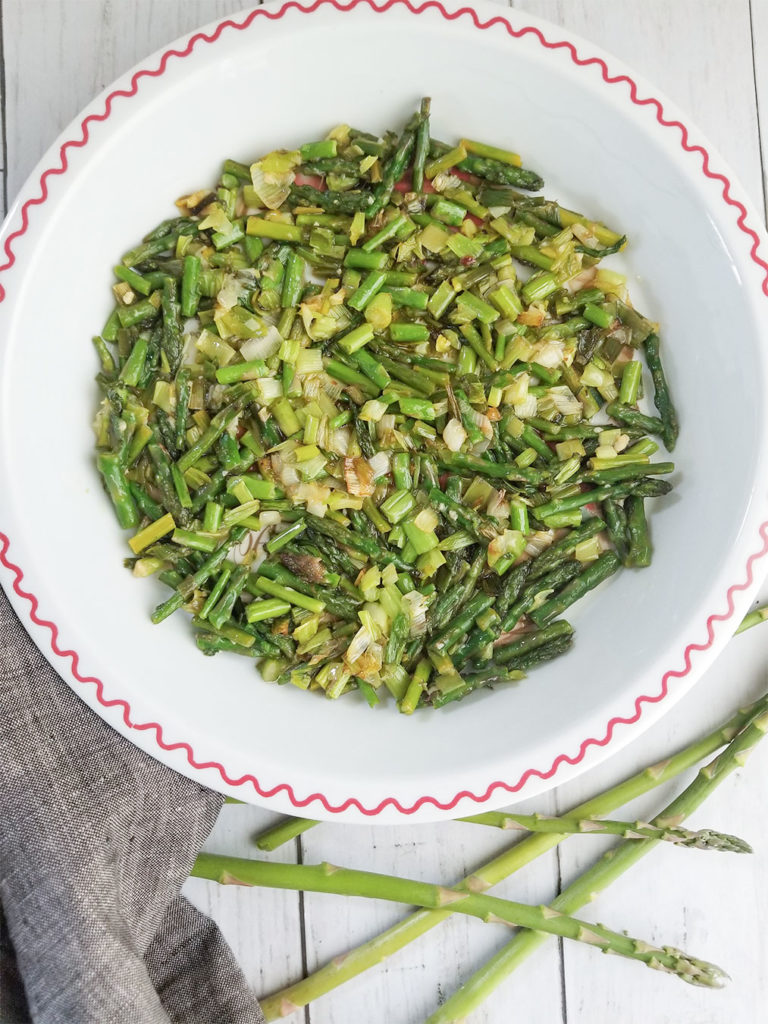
(711, 57)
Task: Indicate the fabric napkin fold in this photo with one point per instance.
(96, 840)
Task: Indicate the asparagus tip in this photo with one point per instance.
(691, 969)
(705, 839)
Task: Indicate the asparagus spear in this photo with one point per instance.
(171, 323)
(331, 165)
(356, 961)
(544, 652)
(610, 867)
(455, 597)
(492, 676)
(592, 576)
(459, 462)
(565, 547)
(475, 646)
(462, 514)
(639, 552)
(244, 395)
(355, 540)
(701, 839)
(629, 473)
(286, 829)
(532, 641)
(331, 202)
(421, 150)
(632, 418)
(662, 397)
(338, 604)
(616, 522)
(646, 488)
(462, 623)
(753, 618)
(395, 168)
(118, 490)
(555, 579)
(514, 581)
(210, 566)
(492, 170)
(345, 881)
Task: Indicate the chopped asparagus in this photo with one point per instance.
(330, 357)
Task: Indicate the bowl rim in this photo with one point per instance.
(696, 656)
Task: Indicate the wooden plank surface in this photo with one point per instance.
(74, 49)
(698, 52)
(681, 49)
(263, 926)
(410, 986)
(759, 25)
(58, 55)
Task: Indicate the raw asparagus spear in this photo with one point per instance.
(374, 951)
(610, 867)
(347, 882)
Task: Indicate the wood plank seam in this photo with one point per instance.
(303, 929)
(761, 147)
(3, 91)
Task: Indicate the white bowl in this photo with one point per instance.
(606, 145)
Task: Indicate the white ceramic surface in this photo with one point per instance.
(638, 636)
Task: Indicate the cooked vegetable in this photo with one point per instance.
(371, 413)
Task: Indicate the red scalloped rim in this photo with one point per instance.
(283, 788)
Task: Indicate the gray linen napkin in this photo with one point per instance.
(96, 840)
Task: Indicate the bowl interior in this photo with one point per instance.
(596, 152)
